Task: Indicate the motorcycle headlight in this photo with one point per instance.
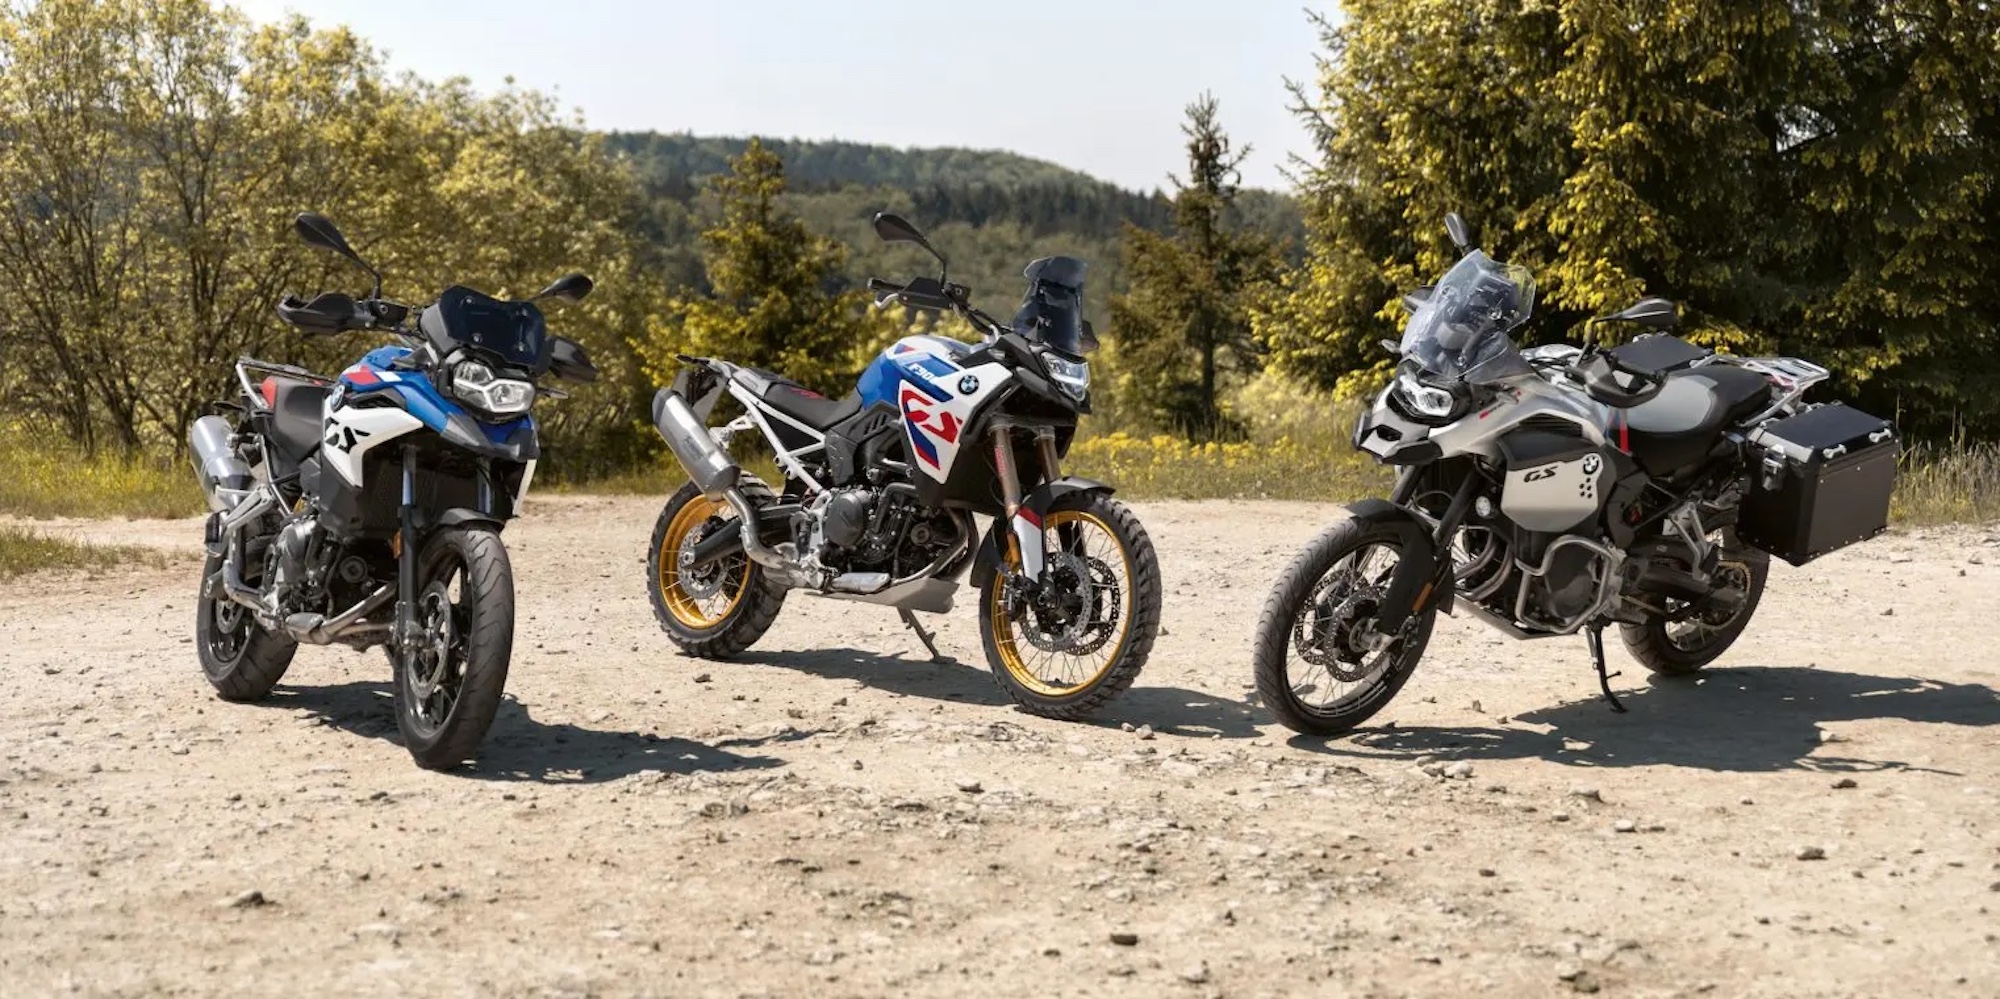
(1073, 377)
(478, 386)
(1426, 402)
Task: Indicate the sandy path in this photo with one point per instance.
(793, 824)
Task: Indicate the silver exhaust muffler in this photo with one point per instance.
(223, 474)
(711, 468)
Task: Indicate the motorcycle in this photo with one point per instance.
(1564, 489)
(365, 509)
(880, 489)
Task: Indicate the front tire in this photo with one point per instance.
(1682, 648)
(1319, 613)
(1104, 598)
(449, 681)
(717, 610)
(240, 658)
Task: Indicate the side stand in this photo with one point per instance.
(1596, 638)
(910, 621)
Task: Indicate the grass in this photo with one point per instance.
(1955, 485)
(39, 480)
(24, 551)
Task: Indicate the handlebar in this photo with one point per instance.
(930, 293)
(333, 312)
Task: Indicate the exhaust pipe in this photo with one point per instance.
(321, 630)
(224, 475)
(711, 468)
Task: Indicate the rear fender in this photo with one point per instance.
(1421, 579)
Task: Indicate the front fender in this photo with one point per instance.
(1027, 526)
(459, 516)
(1421, 579)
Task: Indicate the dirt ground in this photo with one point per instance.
(834, 815)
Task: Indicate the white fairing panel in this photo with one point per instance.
(1555, 496)
(935, 421)
(351, 433)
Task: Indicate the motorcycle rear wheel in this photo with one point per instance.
(720, 609)
(1325, 597)
(241, 659)
(1682, 648)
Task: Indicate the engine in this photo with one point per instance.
(875, 529)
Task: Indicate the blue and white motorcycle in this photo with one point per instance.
(366, 509)
(880, 490)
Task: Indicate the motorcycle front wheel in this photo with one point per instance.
(1321, 667)
(449, 679)
(1075, 642)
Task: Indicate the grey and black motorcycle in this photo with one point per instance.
(1558, 490)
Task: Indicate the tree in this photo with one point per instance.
(770, 304)
(1813, 178)
(1185, 324)
(153, 153)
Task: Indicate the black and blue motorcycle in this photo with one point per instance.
(365, 509)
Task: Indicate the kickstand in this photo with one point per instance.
(910, 622)
(1596, 638)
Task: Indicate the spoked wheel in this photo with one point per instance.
(1065, 648)
(1677, 647)
(449, 679)
(240, 658)
(1322, 666)
(716, 610)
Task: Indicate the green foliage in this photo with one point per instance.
(1185, 325)
(161, 149)
(1817, 179)
(768, 305)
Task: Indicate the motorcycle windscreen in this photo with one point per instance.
(1053, 310)
(1461, 330)
(514, 332)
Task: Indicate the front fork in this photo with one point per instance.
(1023, 523)
(406, 558)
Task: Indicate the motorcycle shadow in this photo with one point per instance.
(520, 748)
(1748, 719)
(1170, 710)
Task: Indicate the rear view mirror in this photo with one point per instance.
(567, 360)
(318, 230)
(569, 288)
(1461, 237)
(897, 229)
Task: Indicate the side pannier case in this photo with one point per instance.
(1820, 481)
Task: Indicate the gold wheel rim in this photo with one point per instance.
(699, 613)
(1015, 660)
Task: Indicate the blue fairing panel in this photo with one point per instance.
(375, 372)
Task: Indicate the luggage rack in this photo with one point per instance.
(1791, 375)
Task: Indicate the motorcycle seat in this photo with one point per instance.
(297, 417)
(797, 401)
(1673, 431)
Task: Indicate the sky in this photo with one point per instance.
(1096, 85)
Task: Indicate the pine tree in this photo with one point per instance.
(768, 275)
(1185, 324)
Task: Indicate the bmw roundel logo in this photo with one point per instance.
(968, 385)
(1591, 463)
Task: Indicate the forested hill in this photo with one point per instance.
(991, 211)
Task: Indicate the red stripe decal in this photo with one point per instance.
(1624, 434)
(1029, 516)
(270, 392)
